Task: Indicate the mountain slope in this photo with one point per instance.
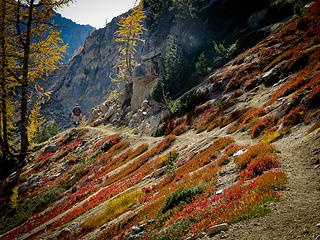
(216, 164)
(86, 79)
(72, 34)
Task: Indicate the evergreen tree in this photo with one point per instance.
(128, 35)
(172, 74)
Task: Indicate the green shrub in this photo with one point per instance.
(182, 195)
(173, 73)
(202, 64)
(66, 184)
(170, 162)
(187, 102)
(47, 131)
(298, 8)
(174, 232)
(158, 130)
(27, 208)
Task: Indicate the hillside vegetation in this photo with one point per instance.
(242, 152)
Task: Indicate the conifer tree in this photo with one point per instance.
(7, 82)
(128, 35)
(34, 51)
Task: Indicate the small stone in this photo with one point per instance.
(136, 229)
(218, 228)
(200, 235)
(239, 153)
(318, 225)
(219, 192)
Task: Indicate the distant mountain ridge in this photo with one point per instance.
(72, 34)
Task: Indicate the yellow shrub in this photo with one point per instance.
(270, 137)
(116, 207)
(83, 121)
(164, 158)
(14, 198)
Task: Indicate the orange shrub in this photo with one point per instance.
(252, 152)
(205, 156)
(182, 128)
(232, 148)
(126, 157)
(115, 149)
(259, 164)
(163, 145)
(262, 125)
(284, 56)
(249, 115)
(232, 117)
(271, 181)
(294, 117)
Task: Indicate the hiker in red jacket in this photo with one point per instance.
(76, 114)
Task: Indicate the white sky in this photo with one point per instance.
(95, 12)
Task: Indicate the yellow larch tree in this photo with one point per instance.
(35, 51)
(128, 35)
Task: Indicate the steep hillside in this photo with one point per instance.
(239, 160)
(86, 79)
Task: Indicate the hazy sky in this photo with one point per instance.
(95, 12)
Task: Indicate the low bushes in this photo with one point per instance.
(259, 164)
(262, 125)
(25, 209)
(182, 195)
(115, 207)
(206, 156)
(271, 181)
(164, 144)
(252, 153)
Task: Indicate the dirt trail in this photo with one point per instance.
(296, 215)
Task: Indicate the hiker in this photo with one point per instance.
(76, 114)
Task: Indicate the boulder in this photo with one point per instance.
(111, 111)
(98, 122)
(94, 114)
(143, 80)
(238, 153)
(217, 228)
(136, 229)
(51, 149)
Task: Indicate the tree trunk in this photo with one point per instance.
(24, 85)
(4, 124)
